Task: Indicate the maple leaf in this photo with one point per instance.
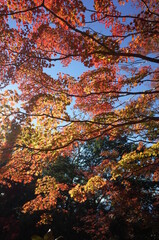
(116, 95)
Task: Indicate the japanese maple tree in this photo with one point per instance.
(117, 94)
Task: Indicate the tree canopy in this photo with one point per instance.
(48, 121)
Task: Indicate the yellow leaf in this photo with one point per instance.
(49, 236)
(36, 237)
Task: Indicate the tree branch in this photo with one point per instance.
(21, 11)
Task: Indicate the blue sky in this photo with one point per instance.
(76, 68)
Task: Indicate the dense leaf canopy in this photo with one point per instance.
(47, 122)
